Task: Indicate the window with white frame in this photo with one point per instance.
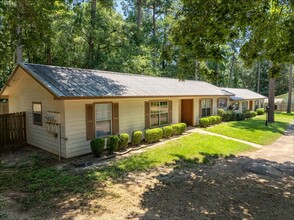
(245, 105)
(235, 105)
(37, 113)
(222, 103)
(103, 117)
(158, 113)
(205, 107)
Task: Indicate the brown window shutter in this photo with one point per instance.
(217, 101)
(147, 115)
(211, 111)
(170, 112)
(115, 118)
(90, 130)
(200, 110)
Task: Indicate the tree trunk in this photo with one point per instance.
(258, 78)
(48, 52)
(19, 51)
(232, 70)
(290, 89)
(271, 99)
(196, 69)
(139, 13)
(91, 35)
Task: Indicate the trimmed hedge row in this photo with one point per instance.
(120, 142)
(211, 120)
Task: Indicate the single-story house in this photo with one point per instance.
(67, 107)
(284, 97)
(242, 99)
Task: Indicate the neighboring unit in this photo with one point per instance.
(242, 99)
(67, 107)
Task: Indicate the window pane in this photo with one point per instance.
(37, 107)
(163, 119)
(37, 118)
(245, 105)
(154, 108)
(154, 120)
(208, 103)
(163, 107)
(222, 103)
(103, 112)
(103, 128)
(203, 103)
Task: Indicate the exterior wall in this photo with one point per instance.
(253, 103)
(131, 118)
(21, 95)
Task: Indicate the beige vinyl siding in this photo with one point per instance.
(22, 93)
(131, 118)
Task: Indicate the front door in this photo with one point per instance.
(187, 111)
(251, 105)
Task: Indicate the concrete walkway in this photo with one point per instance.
(280, 151)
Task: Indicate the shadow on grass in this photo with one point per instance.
(230, 188)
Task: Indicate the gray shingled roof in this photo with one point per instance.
(242, 94)
(73, 82)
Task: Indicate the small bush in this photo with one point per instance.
(213, 120)
(97, 146)
(260, 111)
(204, 122)
(240, 116)
(123, 141)
(253, 114)
(218, 119)
(220, 113)
(229, 116)
(179, 128)
(112, 143)
(183, 127)
(246, 113)
(167, 131)
(209, 120)
(137, 137)
(153, 135)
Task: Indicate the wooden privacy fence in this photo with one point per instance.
(12, 130)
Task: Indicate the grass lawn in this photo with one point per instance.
(43, 186)
(195, 148)
(254, 129)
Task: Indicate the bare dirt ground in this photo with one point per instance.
(231, 188)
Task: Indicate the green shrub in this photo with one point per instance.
(218, 119)
(213, 120)
(97, 146)
(209, 120)
(246, 113)
(253, 114)
(179, 128)
(240, 116)
(183, 127)
(123, 141)
(137, 137)
(112, 143)
(260, 111)
(229, 116)
(153, 135)
(204, 122)
(220, 113)
(167, 131)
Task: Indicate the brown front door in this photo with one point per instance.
(187, 111)
(250, 105)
